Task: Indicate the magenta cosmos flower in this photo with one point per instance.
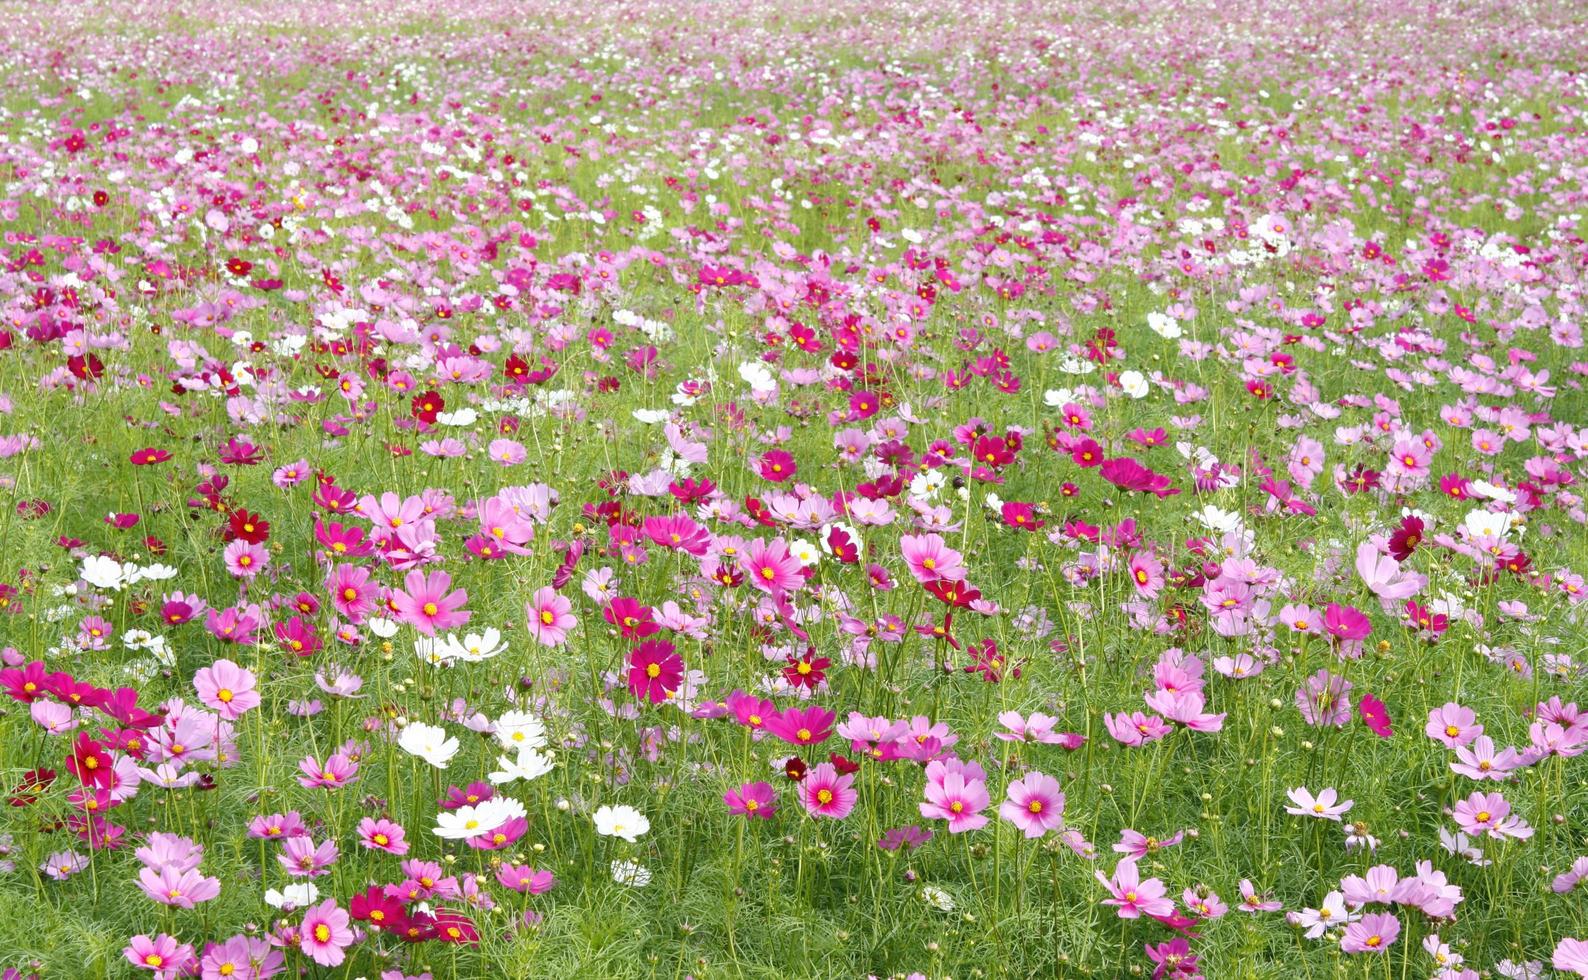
(769, 567)
(810, 725)
(825, 793)
(751, 800)
(425, 604)
(227, 689)
(1035, 804)
(325, 934)
(655, 671)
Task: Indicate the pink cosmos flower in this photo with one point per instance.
(1185, 707)
(162, 955)
(1571, 955)
(1384, 576)
(241, 956)
(1324, 805)
(245, 560)
(227, 689)
(1453, 725)
(1569, 879)
(524, 879)
(1135, 844)
(382, 835)
(1133, 896)
(827, 794)
(1325, 699)
(425, 604)
(1346, 623)
(1372, 933)
(1381, 885)
(957, 799)
(1136, 728)
(1254, 901)
(1489, 813)
(337, 772)
(1480, 760)
(1035, 804)
(1037, 728)
(1330, 913)
(178, 888)
(324, 935)
(351, 593)
(1375, 716)
(301, 858)
(930, 558)
(550, 616)
(1146, 575)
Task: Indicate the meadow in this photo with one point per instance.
(771, 490)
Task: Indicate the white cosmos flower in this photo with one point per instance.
(461, 418)
(481, 818)
(518, 730)
(651, 416)
(292, 896)
(382, 627)
(1217, 518)
(621, 821)
(1483, 524)
(1075, 365)
(631, 873)
(1164, 326)
(1058, 397)
(927, 484)
(1134, 384)
(428, 742)
(807, 553)
(106, 573)
(757, 376)
(1483, 488)
(528, 765)
(435, 651)
(476, 647)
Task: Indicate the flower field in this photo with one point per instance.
(773, 490)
